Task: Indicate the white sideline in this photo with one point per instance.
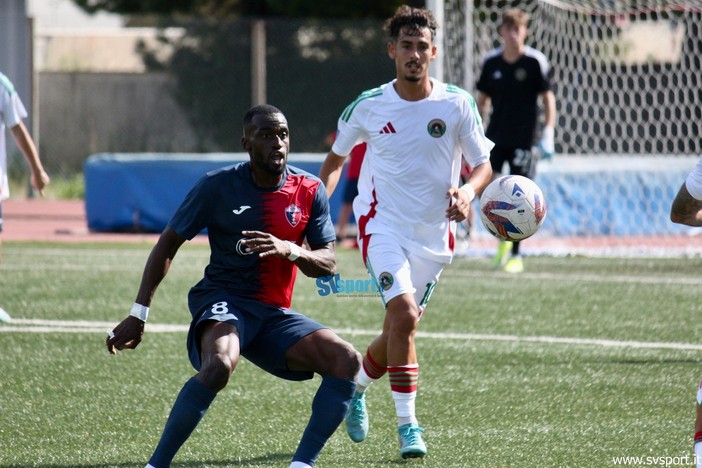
(20, 325)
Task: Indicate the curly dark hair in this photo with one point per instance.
(411, 18)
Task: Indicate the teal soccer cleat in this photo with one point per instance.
(411, 443)
(357, 418)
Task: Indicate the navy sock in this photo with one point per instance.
(188, 409)
(329, 407)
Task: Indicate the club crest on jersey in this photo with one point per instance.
(385, 280)
(293, 214)
(436, 128)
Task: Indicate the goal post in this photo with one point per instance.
(454, 34)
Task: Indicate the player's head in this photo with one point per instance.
(411, 33)
(412, 20)
(514, 25)
(267, 140)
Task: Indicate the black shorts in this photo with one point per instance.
(521, 161)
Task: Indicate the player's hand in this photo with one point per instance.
(39, 180)
(264, 244)
(459, 209)
(126, 335)
(546, 145)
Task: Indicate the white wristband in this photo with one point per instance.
(294, 251)
(469, 191)
(547, 140)
(139, 311)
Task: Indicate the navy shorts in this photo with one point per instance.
(265, 332)
(521, 161)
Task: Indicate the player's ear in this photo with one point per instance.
(246, 143)
(392, 48)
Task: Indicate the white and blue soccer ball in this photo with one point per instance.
(512, 208)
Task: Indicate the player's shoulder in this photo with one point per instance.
(493, 56)
(6, 85)
(536, 55)
(235, 169)
(301, 173)
(458, 98)
(306, 181)
(367, 97)
(455, 93)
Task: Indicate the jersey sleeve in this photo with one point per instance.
(320, 229)
(350, 130)
(544, 83)
(12, 110)
(191, 217)
(472, 140)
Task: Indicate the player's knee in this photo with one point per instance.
(403, 320)
(351, 362)
(346, 362)
(216, 370)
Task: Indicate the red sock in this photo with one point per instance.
(403, 379)
(372, 369)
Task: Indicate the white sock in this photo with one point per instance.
(299, 464)
(363, 381)
(698, 454)
(405, 408)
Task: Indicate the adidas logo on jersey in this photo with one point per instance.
(388, 128)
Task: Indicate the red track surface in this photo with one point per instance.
(55, 221)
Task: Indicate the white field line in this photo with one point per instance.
(585, 277)
(530, 276)
(67, 326)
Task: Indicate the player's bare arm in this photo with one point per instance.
(39, 178)
(331, 171)
(461, 198)
(686, 209)
(549, 100)
(129, 332)
(319, 261)
(483, 105)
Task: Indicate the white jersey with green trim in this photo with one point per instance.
(12, 112)
(413, 157)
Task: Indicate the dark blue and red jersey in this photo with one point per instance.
(227, 202)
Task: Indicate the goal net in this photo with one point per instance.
(626, 73)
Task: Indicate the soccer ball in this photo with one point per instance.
(512, 208)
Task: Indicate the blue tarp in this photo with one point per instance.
(140, 192)
(587, 196)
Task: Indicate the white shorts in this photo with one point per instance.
(397, 271)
